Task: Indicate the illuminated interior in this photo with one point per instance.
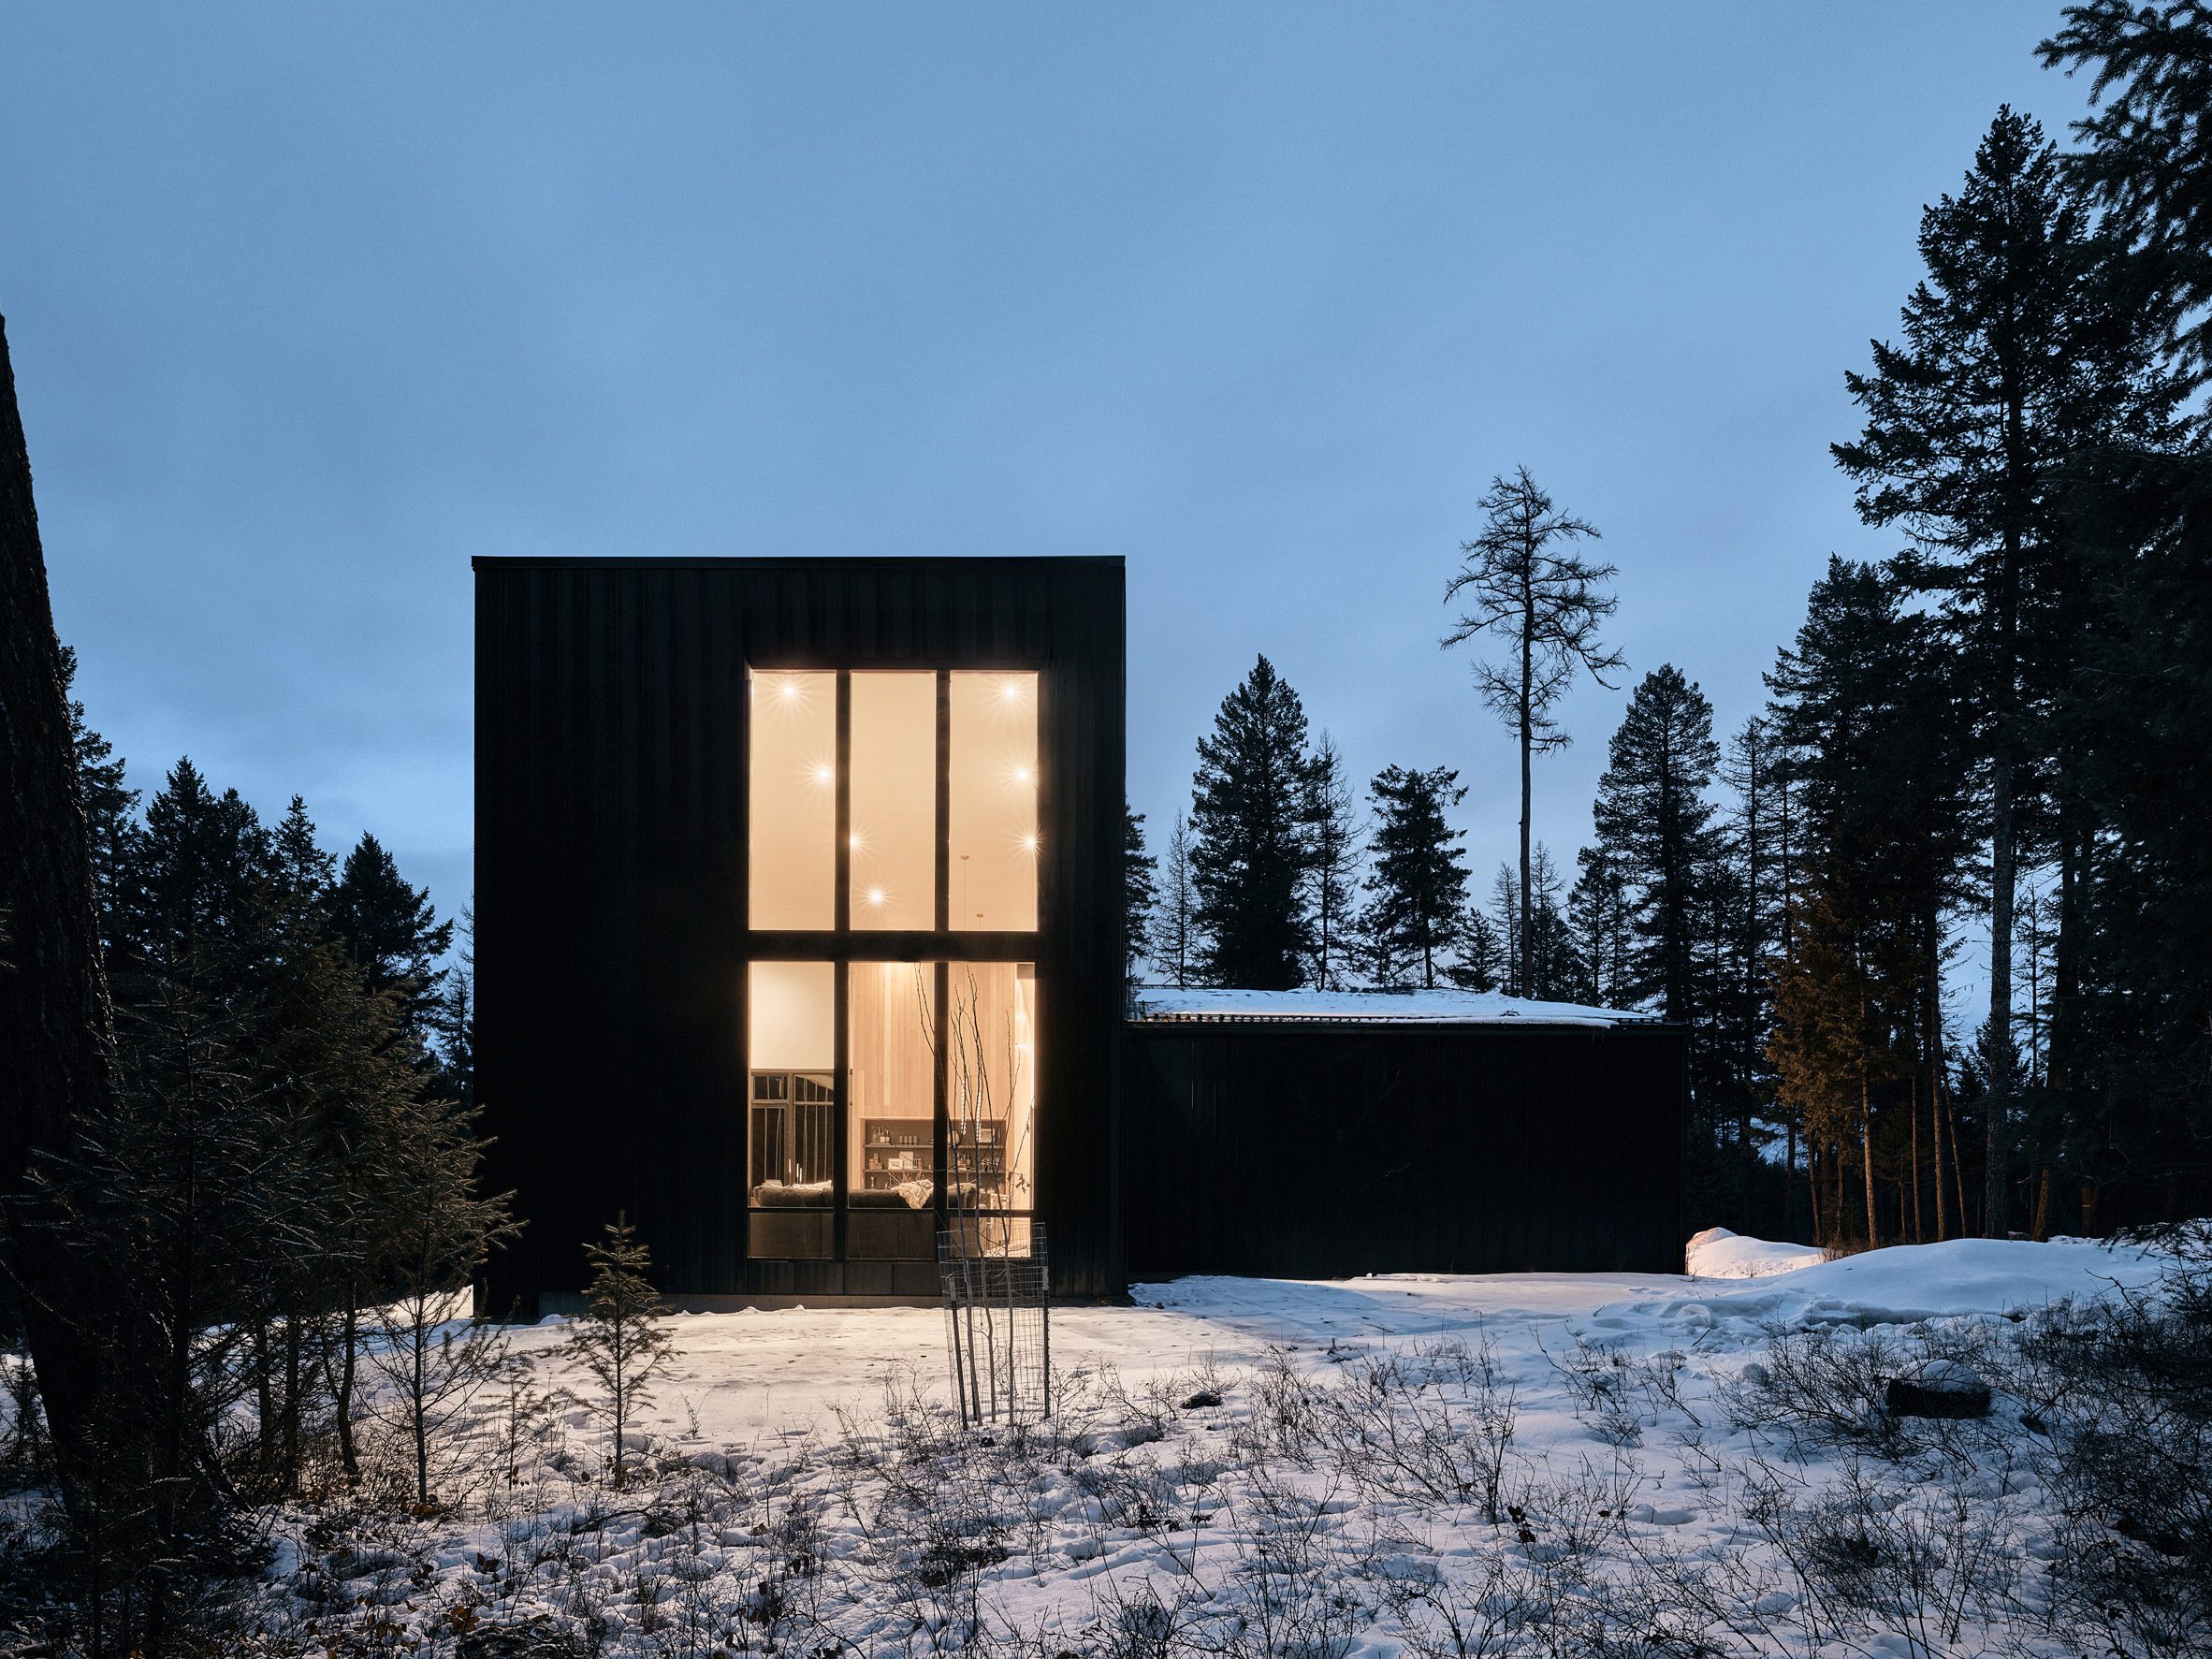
(994, 803)
(791, 1135)
(888, 1099)
(991, 1085)
(893, 821)
(794, 800)
(891, 1090)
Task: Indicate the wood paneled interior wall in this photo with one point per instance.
(611, 937)
(1325, 1151)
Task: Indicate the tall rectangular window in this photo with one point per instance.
(994, 840)
(791, 1050)
(893, 829)
(886, 1100)
(792, 829)
(890, 1083)
(991, 1085)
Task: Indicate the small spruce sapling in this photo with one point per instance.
(621, 1339)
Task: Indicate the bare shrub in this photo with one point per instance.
(1822, 1385)
(1931, 1562)
(2124, 1396)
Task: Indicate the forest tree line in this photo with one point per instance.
(1994, 741)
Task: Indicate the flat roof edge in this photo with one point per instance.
(777, 560)
(1400, 1021)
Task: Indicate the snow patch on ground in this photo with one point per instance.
(1718, 1254)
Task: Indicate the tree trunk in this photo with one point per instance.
(1958, 1171)
(1935, 1123)
(1919, 1232)
(349, 1340)
(1789, 1182)
(56, 1026)
(1865, 1143)
(1812, 1186)
(2004, 874)
(1528, 647)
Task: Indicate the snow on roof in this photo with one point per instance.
(1165, 1005)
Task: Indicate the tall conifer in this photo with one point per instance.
(1252, 817)
(1417, 887)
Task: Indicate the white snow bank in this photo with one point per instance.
(1718, 1254)
(1906, 1283)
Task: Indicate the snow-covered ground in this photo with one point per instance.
(1247, 1465)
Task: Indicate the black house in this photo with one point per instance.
(798, 935)
(798, 885)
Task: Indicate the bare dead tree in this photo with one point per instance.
(1517, 580)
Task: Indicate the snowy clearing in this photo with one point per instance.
(1403, 1463)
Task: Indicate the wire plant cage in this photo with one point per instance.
(998, 1318)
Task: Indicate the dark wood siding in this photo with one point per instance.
(610, 882)
(1322, 1151)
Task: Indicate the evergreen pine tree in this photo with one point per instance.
(1335, 866)
(1138, 893)
(1479, 962)
(1519, 582)
(1866, 736)
(1556, 973)
(394, 933)
(1604, 930)
(1654, 822)
(1251, 815)
(2146, 156)
(1179, 945)
(1416, 885)
(110, 808)
(190, 907)
(456, 1020)
(2018, 353)
(621, 1340)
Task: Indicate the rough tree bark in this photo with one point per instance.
(56, 1026)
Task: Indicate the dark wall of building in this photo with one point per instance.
(611, 775)
(1322, 1151)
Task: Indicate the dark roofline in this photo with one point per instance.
(779, 561)
(1338, 1022)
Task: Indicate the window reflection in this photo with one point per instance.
(994, 804)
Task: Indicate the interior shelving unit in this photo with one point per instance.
(894, 1150)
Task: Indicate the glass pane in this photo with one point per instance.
(993, 827)
(794, 822)
(890, 1091)
(991, 1087)
(894, 800)
(791, 1053)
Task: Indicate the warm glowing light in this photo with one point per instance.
(1020, 773)
(1029, 843)
(876, 895)
(1011, 690)
(823, 775)
(854, 839)
(789, 690)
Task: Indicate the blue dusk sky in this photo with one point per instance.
(311, 304)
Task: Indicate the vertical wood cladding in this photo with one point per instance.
(611, 781)
(1322, 1151)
